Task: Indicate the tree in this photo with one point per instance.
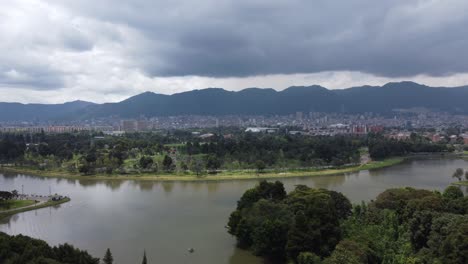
(15, 193)
(168, 163)
(5, 195)
(308, 258)
(85, 169)
(213, 163)
(452, 193)
(299, 237)
(466, 175)
(342, 204)
(11, 149)
(145, 162)
(260, 165)
(458, 174)
(420, 228)
(270, 237)
(321, 217)
(108, 259)
(243, 234)
(264, 190)
(145, 261)
(350, 252)
(197, 166)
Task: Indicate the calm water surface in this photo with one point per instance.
(166, 218)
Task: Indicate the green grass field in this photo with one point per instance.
(13, 204)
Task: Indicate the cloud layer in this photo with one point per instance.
(57, 50)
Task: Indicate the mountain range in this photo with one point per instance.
(254, 101)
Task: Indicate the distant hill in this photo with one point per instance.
(216, 101)
(31, 112)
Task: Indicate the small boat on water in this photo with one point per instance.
(191, 250)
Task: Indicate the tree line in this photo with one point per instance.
(311, 226)
(381, 147)
(144, 152)
(183, 152)
(21, 249)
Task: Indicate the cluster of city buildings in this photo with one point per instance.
(313, 123)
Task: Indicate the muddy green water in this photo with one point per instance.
(167, 218)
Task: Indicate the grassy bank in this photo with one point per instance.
(43, 205)
(226, 175)
(462, 183)
(13, 204)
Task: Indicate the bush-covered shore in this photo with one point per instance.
(310, 226)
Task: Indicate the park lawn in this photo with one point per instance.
(13, 204)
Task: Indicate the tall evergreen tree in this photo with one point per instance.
(108, 259)
(145, 261)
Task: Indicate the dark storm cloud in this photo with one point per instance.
(239, 38)
(32, 78)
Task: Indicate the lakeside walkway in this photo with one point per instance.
(42, 202)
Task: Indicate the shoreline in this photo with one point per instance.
(35, 207)
(208, 177)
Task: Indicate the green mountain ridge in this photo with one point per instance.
(254, 101)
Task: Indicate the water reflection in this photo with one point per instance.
(212, 187)
(167, 187)
(144, 185)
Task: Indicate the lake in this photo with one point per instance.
(167, 218)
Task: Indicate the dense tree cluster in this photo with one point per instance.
(12, 147)
(4, 195)
(22, 249)
(308, 226)
(381, 147)
(407, 225)
(281, 149)
(280, 226)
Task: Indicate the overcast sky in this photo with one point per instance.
(53, 51)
